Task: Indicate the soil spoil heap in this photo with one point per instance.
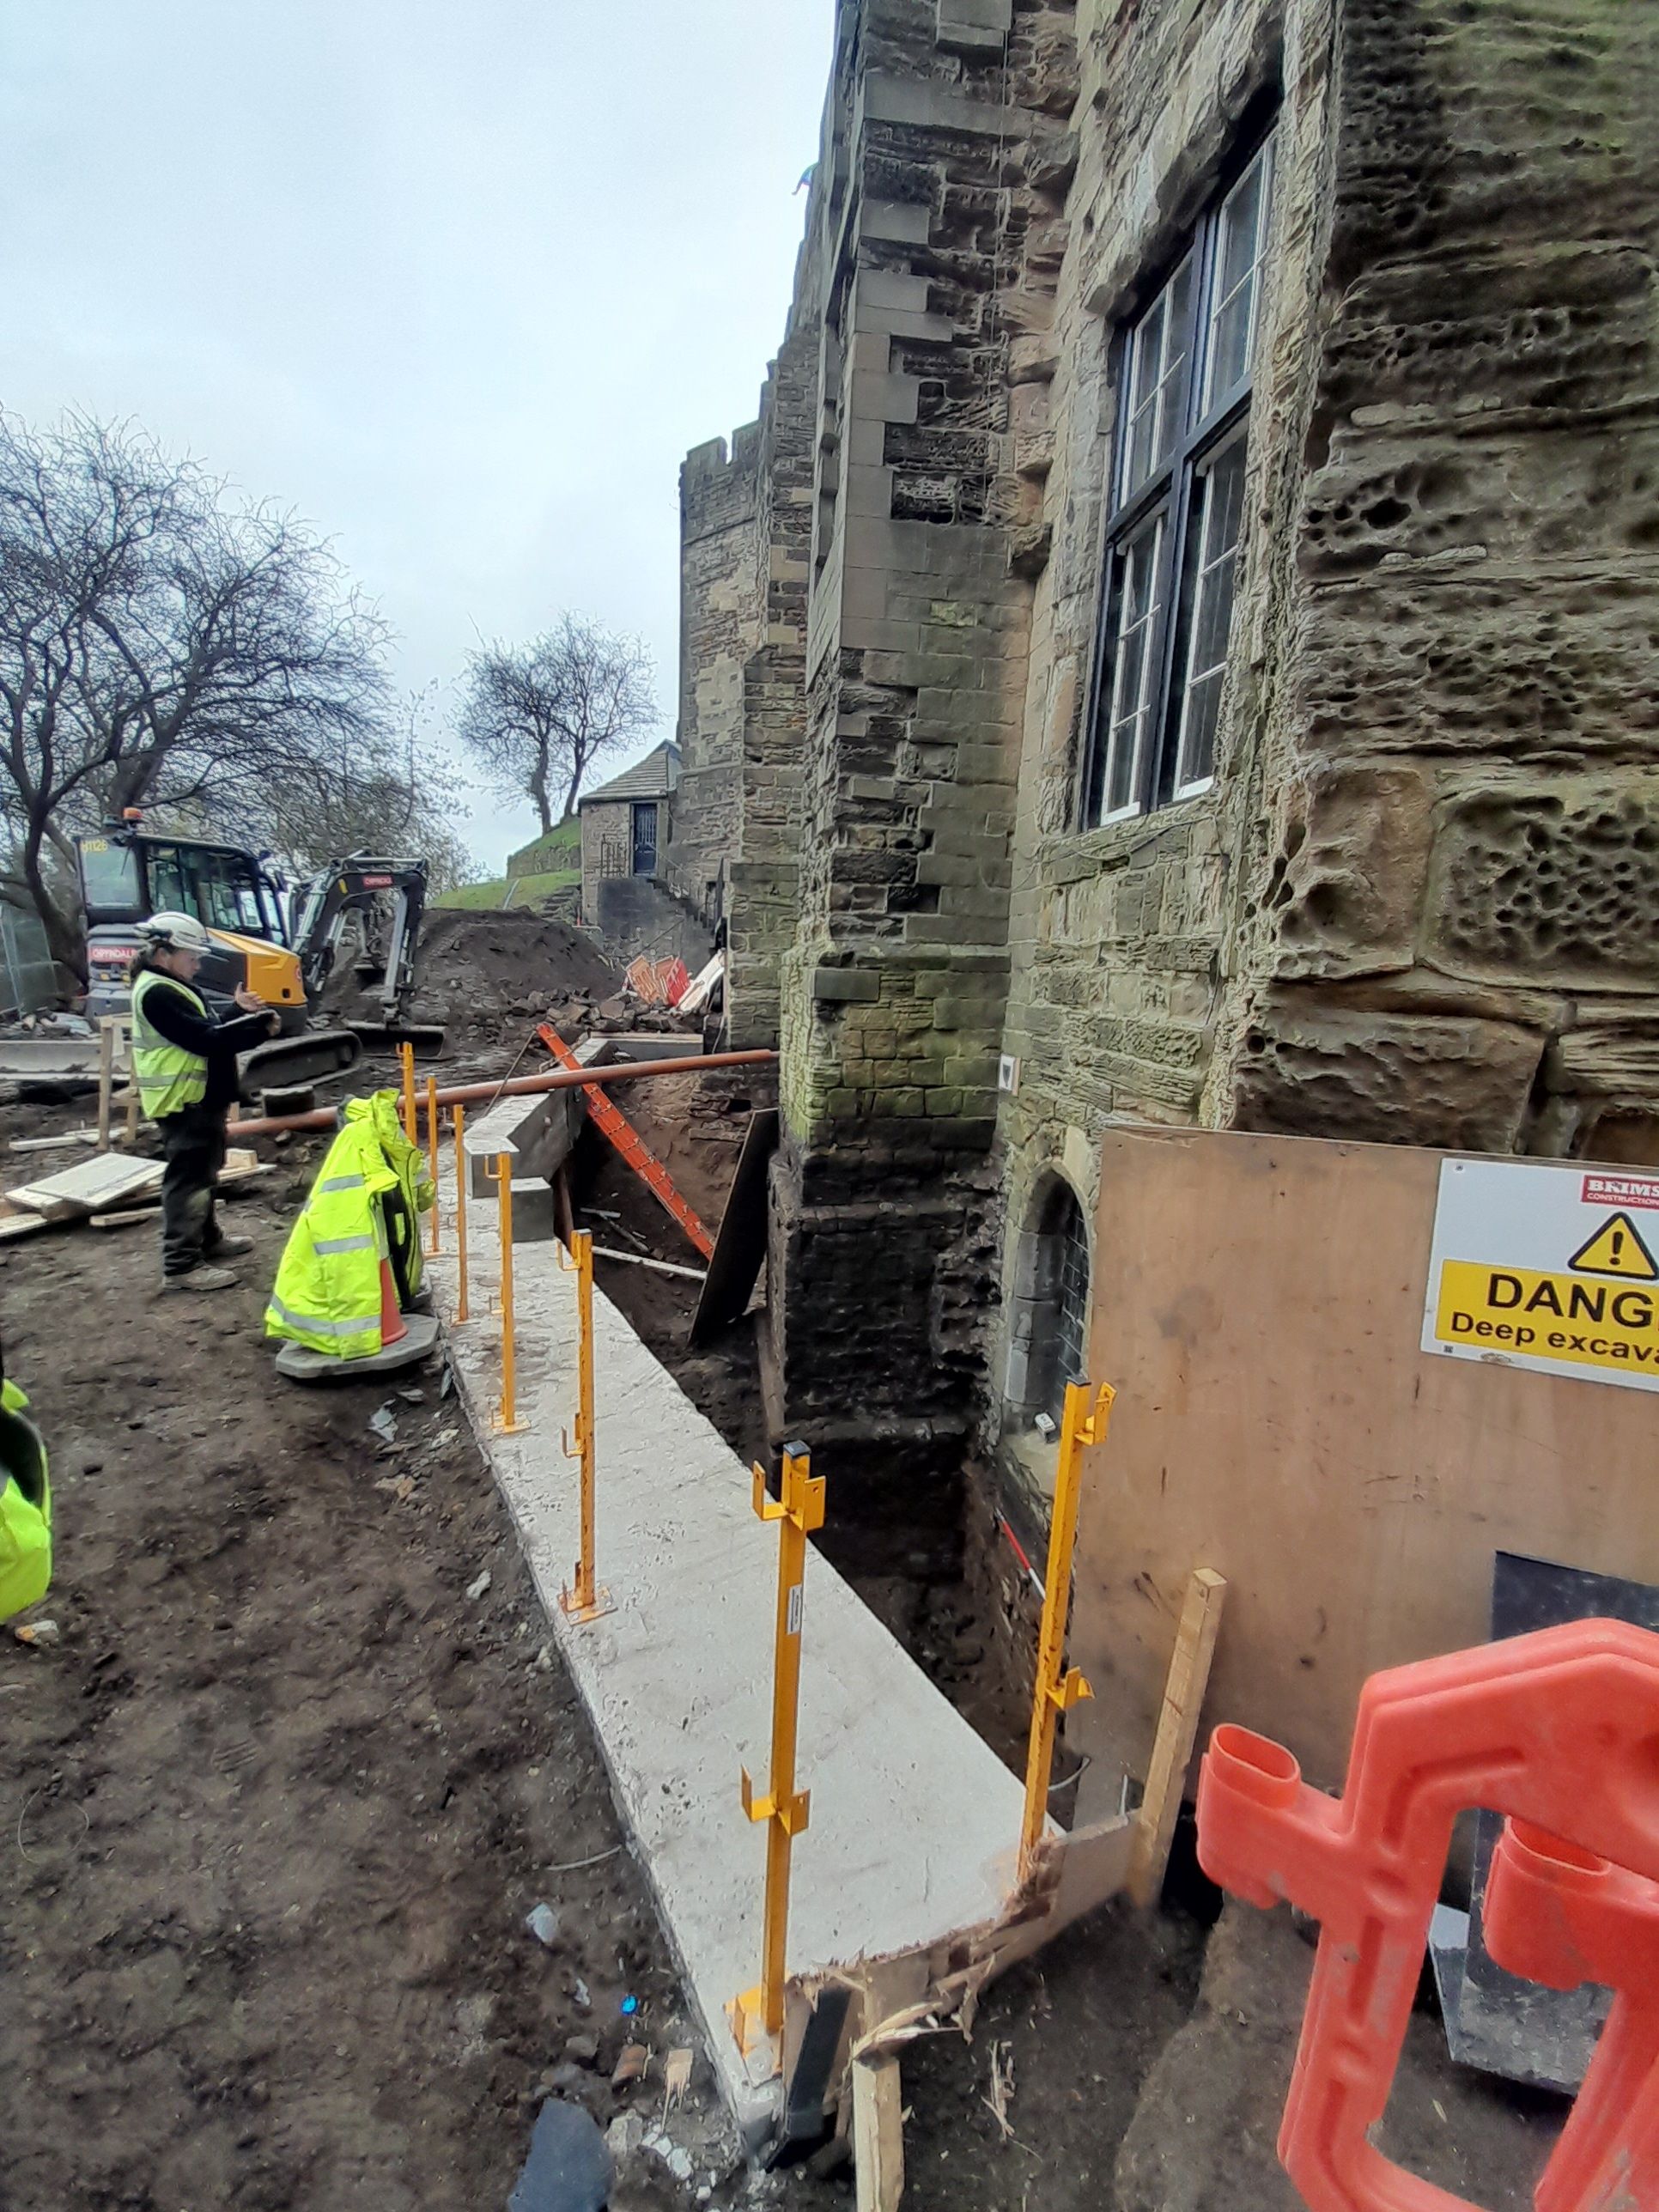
(481, 975)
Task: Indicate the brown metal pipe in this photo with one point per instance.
(470, 1094)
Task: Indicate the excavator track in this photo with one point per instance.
(308, 1056)
(427, 1037)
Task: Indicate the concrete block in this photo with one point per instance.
(946, 868)
(537, 1134)
(900, 323)
(975, 15)
(869, 491)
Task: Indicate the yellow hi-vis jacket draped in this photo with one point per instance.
(25, 1507)
(364, 1207)
(169, 1078)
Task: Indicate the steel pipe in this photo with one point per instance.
(521, 1086)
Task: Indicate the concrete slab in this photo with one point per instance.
(49, 1055)
(646, 1044)
(914, 1822)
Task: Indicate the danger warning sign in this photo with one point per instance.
(1547, 1267)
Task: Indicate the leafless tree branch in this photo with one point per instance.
(537, 717)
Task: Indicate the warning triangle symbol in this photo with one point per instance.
(1616, 1248)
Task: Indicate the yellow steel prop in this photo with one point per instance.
(432, 1152)
(406, 1053)
(584, 1601)
(504, 1421)
(798, 1510)
(460, 1211)
(1057, 1692)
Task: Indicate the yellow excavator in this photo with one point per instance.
(280, 939)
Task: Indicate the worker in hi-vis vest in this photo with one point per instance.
(25, 1504)
(186, 1064)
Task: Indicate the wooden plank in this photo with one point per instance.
(1178, 1732)
(230, 1178)
(878, 2134)
(126, 1024)
(106, 1078)
(54, 1144)
(740, 1246)
(91, 1186)
(120, 1220)
(43, 1206)
(13, 1225)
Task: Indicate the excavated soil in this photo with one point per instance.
(485, 977)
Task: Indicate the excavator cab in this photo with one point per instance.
(125, 877)
(280, 941)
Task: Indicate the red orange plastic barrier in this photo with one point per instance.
(1558, 1731)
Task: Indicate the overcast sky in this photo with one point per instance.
(458, 280)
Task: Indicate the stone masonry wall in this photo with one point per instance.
(1419, 901)
(945, 171)
(766, 870)
(719, 615)
(604, 822)
(1453, 936)
(1120, 935)
(1419, 904)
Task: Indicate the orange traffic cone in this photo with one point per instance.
(392, 1329)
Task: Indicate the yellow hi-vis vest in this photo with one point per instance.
(362, 1209)
(169, 1078)
(25, 1507)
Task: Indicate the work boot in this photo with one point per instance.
(228, 1247)
(203, 1278)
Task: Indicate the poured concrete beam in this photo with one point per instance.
(914, 1822)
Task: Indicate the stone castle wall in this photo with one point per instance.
(1451, 934)
(1436, 757)
(719, 493)
(1418, 901)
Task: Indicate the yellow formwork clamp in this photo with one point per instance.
(584, 1599)
(432, 1156)
(1056, 1689)
(460, 1214)
(798, 1510)
(504, 1421)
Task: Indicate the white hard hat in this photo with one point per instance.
(180, 932)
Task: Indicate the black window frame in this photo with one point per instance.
(1169, 489)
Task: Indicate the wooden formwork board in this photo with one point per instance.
(1258, 1303)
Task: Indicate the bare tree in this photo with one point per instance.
(397, 794)
(539, 716)
(159, 646)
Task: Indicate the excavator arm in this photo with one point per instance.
(362, 884)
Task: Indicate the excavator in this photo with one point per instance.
(281, 939)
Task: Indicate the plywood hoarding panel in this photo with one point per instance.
(1258, 1304)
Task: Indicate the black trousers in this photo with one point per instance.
(194, 1146)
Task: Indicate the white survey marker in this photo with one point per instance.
(1551, 1268)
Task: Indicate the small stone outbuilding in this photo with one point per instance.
(627, 822)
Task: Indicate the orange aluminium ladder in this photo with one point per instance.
(616, 1125)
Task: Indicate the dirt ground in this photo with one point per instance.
(276, 1804)
(279, 1801)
